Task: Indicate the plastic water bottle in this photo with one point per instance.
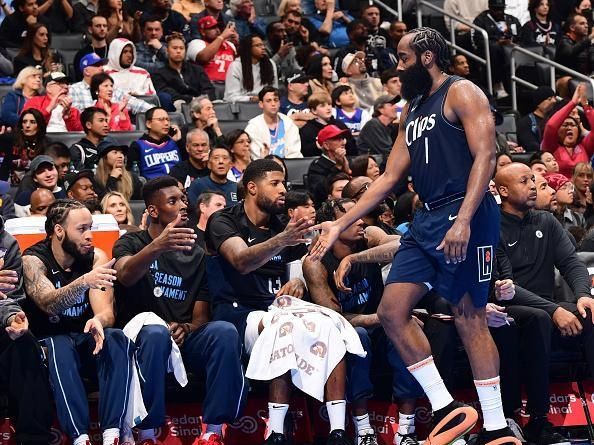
(135, 168)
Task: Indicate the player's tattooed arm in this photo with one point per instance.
(380, 254)
(42, 291)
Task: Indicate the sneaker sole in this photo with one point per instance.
(449, 436)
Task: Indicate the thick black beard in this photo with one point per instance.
(269, 206)
(70, 248)
(416, 80)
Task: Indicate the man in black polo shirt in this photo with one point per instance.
(162, 270)
(253, 248)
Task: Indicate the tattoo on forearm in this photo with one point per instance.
(42, 290)
(380, 254)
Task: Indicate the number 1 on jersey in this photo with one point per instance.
(426, 150)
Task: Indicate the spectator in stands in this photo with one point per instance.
(366, 88)
(13, 28)
(239, 142)
(545, 194)
(180, 79)
(320, 105)
(81, 187)
(467, 10)
(56, 105)
(41, 199)
(29, 141)
(172, 21)
(459, 66)
(84, 11)
(538, 167)
(117, 113)
(26, 85)
(187, 8)
(574, 49)
(582, 201)
(583, 7)
(391, 81)
(535, 244)
(219, 164)
(95, 122)
(365, 165)
(331, 23)
(151, 51)
(358, 303)
(248, 286)
(111, 174)
(44, 175)
(196, 166)
(332, 142)
(121, 67)
(80, 92)
(397, 31)
(207, 348)
(529, 126)
(281, 51)
(294, 104)
(81, 292)
(204, 117)
(97, 30)
(336, 184)
(23, 369)
(379, 134)
(156, 152)
(299, 204)
(346, 109)
(273, 132)
(562, 136)
(501, 160)
(36, 51)
(213, 8)
(247, 22)
(206, 205)
(550, 162)
(115, 204)
(319, 69)
(213, 50)
(503, 30)
(565, 192)
(300, 31)
(378, 37)
(60, 153)
(540, 30)
(120, 25)
(249, 73)
(58, 14)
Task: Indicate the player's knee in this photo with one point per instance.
(224, 332)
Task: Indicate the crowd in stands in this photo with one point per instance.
(200, 112)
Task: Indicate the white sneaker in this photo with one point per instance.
(406, 439)
(367, 437)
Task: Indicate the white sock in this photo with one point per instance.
(406, 423)
(336, 414)
(110, 435)
(146, 434)
(428, 377)
(81, 440)
(212, 429)
(276, 417)
(362, 423)
(489, 395)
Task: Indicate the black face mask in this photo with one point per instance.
(587, 13)
(415, 80)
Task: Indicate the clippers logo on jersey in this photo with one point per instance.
(415, 128)
(485, 263)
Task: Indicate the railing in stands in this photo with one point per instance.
(452, 43)
(538, 58)
(396, 12)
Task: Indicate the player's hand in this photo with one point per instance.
(496, 316)
(340, 274)
(455, 243)
(178, 333)
(584, 303)
(8, 280)
(568, 324)
(95, 328)
(18, 325)
(294, 288)
(175, 238)
(329, 232)
(295, 231)
(504, 290)
(101, 277)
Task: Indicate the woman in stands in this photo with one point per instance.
(26, 85)
(29, 141)
(562, 136)
(501, 160)
(365, 165)
(117, 205)
(102, 92)
(239, 142)
(319, 68)
(582, 199)
(119, 23)
(540, 29)
(188, 7)
(36, 51)
(111, 174)
(250, 72)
